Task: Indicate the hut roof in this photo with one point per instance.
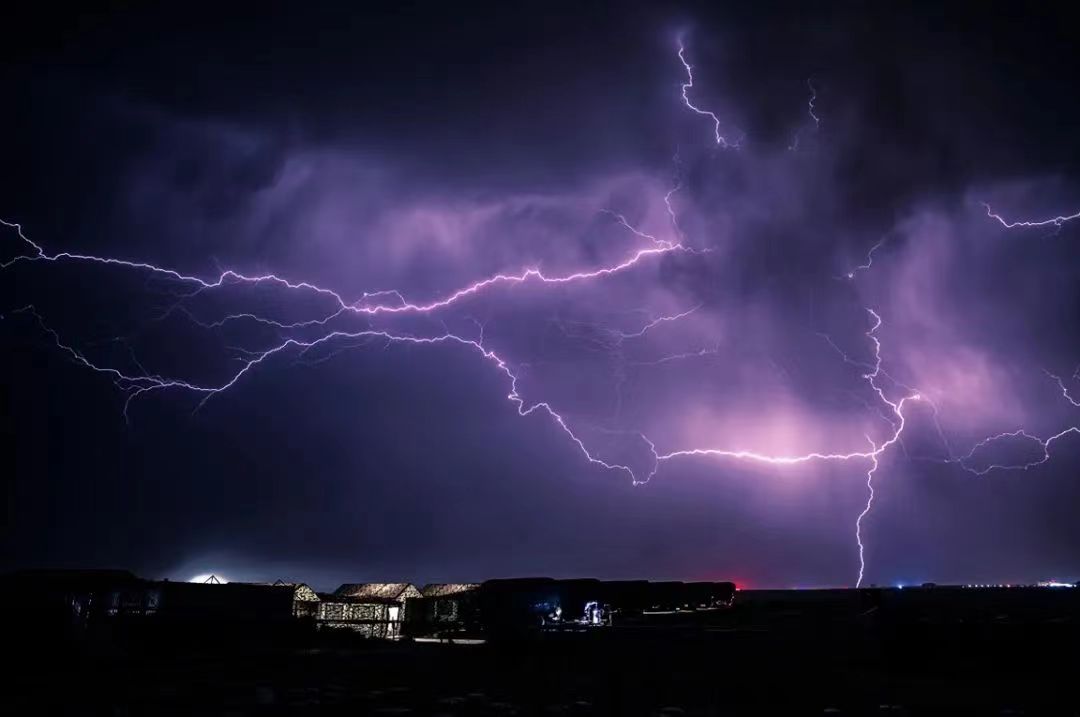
(443, 589)
(394, 591)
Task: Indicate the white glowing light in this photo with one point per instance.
(208, 578)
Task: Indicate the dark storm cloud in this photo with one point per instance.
(423, 148)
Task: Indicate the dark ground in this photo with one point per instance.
(771, 654)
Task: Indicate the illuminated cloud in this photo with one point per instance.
(738, 316)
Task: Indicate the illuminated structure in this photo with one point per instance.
(371, 609)
(305, 600)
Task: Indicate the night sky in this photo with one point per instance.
(717, 312)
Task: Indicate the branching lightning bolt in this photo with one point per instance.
(1064, 388)
(388, 303)
(794, 146)
(358, 306)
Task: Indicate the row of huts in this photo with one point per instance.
(80, 599)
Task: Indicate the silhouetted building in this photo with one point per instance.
(446, 589)
(447, 603)
(445, 610)
(236, 602)
(66, 599)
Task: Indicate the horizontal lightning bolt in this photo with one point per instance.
(355, 307)
(1052, 221)
(1043, 443)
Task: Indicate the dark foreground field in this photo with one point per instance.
(774, 653)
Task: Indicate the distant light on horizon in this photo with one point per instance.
(206, 577)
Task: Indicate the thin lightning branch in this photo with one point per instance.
(611, 339)
(671, 210)
(868, 264)
(877, 370)
(1053, 221)
(794, 146)
(1064, 388)
(622, 336)
(708, 351)
(389, 292)
(875, 410)
(637, 232)
(858, 364)
(676, 162)
(1022, 434)
(1042, 443)
(253, 318)
(688, 85)
(810, 103)
(226, 276)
